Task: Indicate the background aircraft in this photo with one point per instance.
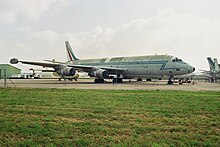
(214, 72)
(36, 74)
(118, 68)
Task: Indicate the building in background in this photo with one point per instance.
(10, 70)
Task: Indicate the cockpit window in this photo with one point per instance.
(178, 60)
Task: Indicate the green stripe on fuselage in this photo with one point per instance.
(155, 59)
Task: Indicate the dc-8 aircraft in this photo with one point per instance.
(118, 68)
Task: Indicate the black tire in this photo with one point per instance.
(117, 80)
(139, 79)
(149, 80)
(170, 82)
(99, 81)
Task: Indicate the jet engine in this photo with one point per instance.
(67, 71)
(100, 73)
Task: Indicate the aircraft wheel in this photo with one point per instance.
(117, 80)
(120, 80)
(170, 82)
(99, 81)
(148, 80)
(139, 79)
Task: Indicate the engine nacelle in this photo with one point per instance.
(14, 61)
(66, 71)
(101, 74)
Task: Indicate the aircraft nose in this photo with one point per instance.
(192, 69)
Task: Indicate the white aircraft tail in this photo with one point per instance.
(70, 54)
(217, 69)
(214, 67)
(211, 64)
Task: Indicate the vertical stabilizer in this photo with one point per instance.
(217, 70)
(70, 54)
(211, 64)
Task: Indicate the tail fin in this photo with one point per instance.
(70, 54)
(211, 64)
(217, 70)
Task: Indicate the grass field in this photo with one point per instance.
(62, 117)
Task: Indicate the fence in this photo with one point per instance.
(3, 76)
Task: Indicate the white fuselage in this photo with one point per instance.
(155, 66)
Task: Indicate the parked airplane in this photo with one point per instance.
(54, 75)
(187, 78)
(118, 68)
(214, 72)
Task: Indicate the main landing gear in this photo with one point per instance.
(148, 80)
(139, 79)
(70, 79)
(170, 81)
(99, 80)
(117, 80)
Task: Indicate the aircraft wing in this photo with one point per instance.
(15, 61)
(86, 68)
(83, 68)
(205, 71)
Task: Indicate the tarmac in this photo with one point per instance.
(126, 85)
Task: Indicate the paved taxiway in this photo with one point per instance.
(126, 85)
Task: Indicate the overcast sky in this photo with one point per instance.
(37, 29)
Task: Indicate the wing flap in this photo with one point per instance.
(86, 68)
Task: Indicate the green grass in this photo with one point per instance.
(63, 117)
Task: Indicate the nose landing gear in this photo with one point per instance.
(170, 80)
